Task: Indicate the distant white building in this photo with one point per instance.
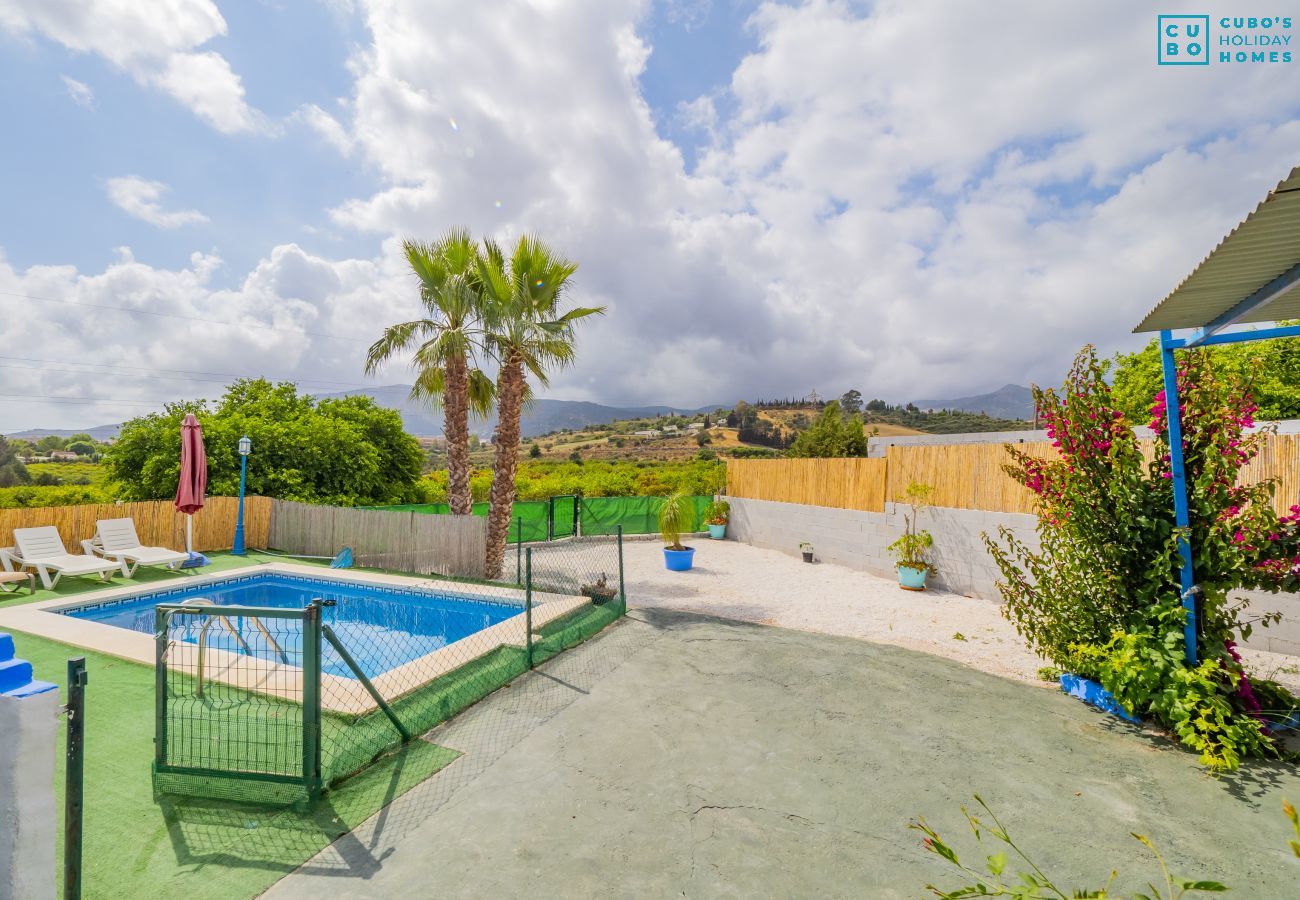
(695, 426)
(650, 433)
(670, 429)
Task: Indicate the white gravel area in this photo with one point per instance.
(737, 581)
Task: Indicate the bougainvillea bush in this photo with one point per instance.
(1100, 594)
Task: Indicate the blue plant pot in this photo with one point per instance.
(718, 532)
(910, 579)
(1093, 694)
(679, 560)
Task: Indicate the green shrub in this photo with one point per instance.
(1101, 594)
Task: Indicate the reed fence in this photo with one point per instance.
(843, 483)
(386, 539)
(964, 476)
(156, 522)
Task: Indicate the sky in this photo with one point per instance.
(912, 198)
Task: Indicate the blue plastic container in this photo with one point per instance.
(718, 532)
(910, 579)
(679, 560)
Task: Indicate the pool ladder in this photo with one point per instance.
(225, 622)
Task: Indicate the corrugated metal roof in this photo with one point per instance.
(1261, 248)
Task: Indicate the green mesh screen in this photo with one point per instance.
(637, 515)
(596, 515)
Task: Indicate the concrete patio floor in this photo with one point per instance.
(681, 755)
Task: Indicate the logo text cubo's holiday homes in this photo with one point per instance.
(1187, 40)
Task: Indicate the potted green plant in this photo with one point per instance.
(717, 517)
(910, 551)
(807, 550)
(675, 517)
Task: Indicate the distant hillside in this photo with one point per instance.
(99, 432)
(1011, 401)
(540, 417)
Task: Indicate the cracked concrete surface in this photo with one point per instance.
(680, 755)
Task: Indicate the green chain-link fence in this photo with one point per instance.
(275, 705)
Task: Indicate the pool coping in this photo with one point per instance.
(338, 694)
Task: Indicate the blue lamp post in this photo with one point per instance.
(245, 448)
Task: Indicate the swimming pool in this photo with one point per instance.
(381, 626)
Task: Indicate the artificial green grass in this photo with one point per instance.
(198, 849)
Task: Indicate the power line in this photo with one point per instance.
(145, 372)
(49, 398)
(162, 315)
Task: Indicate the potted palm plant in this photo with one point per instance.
(717, 517)
(675, 517)
(910, 551)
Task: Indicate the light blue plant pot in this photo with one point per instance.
(718, 532)
(679, 560)
(910, 579)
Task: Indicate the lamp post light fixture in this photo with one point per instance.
(245, 448)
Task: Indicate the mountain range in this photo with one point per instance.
(1012, 401)
(542, 416)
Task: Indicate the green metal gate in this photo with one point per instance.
(562, 517)
(237, 700)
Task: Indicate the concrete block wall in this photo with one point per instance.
(858, 540)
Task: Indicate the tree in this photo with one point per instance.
(528, 335)
(12, 470)
(833, 434)
(534, 452)
(446, 345)
(346, 451)
(51, 442)
(702, 437)
(81, 448)
(851, 402)
(1271, 370)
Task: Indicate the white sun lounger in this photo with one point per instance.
(116, 539)
(42, 549)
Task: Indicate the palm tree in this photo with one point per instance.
(528, 335)
(447, 344)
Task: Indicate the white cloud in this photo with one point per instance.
(326, 126)
(142, 198)
(865, 214)
(80, 92)
(155, 42)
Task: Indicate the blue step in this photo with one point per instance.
(14, 673)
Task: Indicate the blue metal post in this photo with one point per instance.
(238, 549)
(1186, 576)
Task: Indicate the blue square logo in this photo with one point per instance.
(1183, 40)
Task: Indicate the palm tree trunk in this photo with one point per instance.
(455, 429)
(510, 394)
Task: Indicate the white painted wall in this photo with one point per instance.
(28, 824)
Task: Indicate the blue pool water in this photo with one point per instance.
(381, 627)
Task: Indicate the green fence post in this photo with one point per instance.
(75, 781)
(528, 606)
(160, 688)
(519, 549)
(311, 713)
(622, 594)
